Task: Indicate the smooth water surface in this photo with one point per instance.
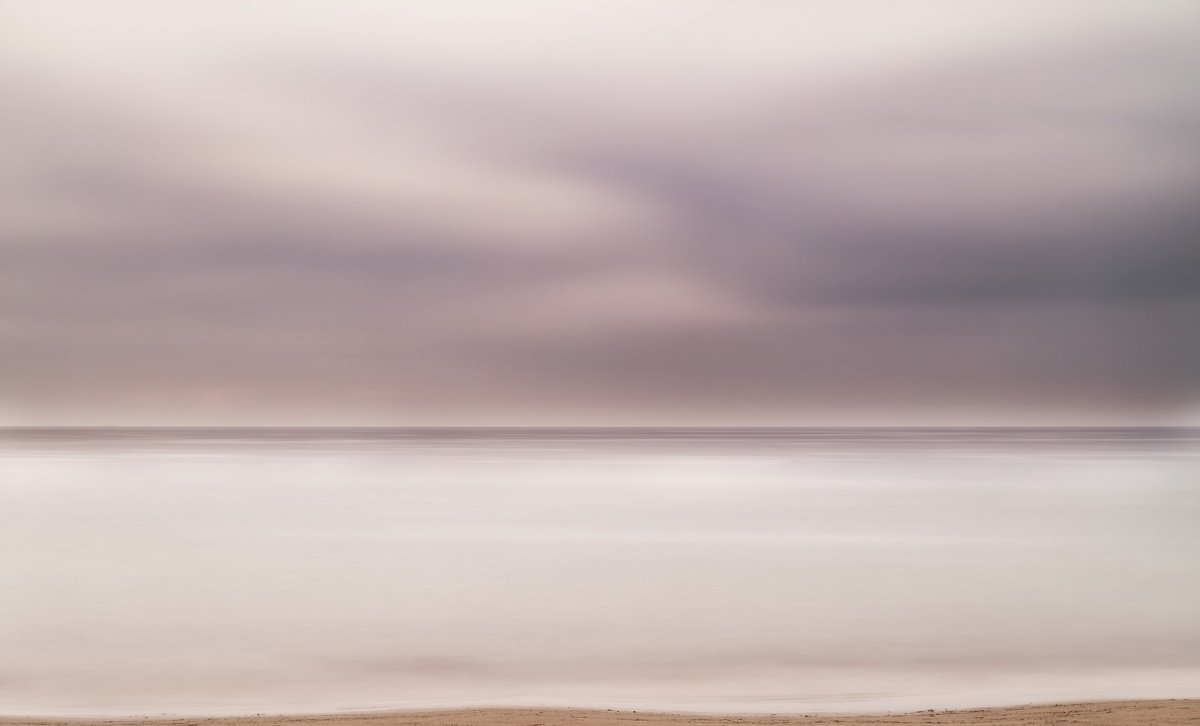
(270, 570)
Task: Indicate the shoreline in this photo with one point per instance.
(1119, 712)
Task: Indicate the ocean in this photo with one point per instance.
(193, 571)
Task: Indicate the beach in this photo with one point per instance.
(599, 363)
(1101, 713)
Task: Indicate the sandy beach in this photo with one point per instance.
(1125, 713)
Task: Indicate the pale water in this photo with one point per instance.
(282, 570)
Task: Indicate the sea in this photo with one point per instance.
(157, 571)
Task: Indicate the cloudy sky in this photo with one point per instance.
(600, 212)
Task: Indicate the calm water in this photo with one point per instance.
(267, 570)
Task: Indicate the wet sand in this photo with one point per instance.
(1110, 713)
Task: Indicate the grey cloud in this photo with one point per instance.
(1018, 228)
(774, 222)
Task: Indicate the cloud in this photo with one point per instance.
(367, 213)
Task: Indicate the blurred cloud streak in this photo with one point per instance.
(600, 212)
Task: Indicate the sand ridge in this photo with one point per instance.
(1108, 713)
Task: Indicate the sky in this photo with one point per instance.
(600, 212)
